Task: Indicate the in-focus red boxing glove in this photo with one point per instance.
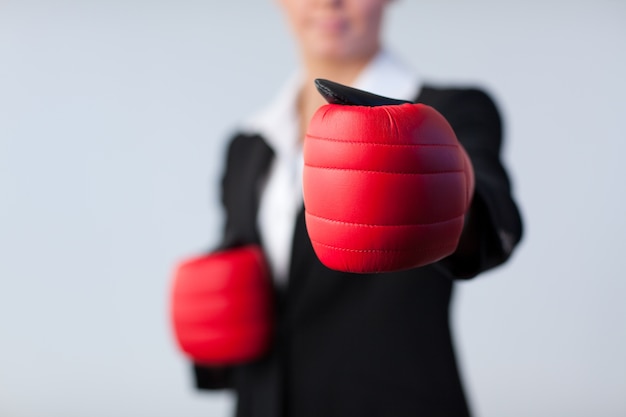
(386, 183)
(221, 307)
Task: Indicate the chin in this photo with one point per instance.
(334, 51)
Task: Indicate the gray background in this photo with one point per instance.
(113, 118)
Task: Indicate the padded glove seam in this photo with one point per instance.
(355, 142)
(412, 250)
(308, 213)
(456, 171)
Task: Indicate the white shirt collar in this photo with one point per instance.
(385, 75)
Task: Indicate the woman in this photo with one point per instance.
(346, 345)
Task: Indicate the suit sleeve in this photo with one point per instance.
(208, 377)
(245, 157)
(493, 225)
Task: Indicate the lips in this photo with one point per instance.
(330, 25)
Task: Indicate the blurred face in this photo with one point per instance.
(336, 29)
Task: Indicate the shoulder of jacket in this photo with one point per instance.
(245, 140)
(460, 104)
(247, 146)
(442, 96)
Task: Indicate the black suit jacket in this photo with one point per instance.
(368, 345)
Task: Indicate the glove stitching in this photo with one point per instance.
(384, 172)
(308, 213)
(438, 145)
(430, 248)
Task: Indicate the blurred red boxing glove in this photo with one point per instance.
(386, 183)
(221, 307)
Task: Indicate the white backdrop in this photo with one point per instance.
(113, 118)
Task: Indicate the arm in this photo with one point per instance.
(245, 156)
(493, 225)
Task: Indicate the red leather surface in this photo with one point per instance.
(221, 307)
(385, 188)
